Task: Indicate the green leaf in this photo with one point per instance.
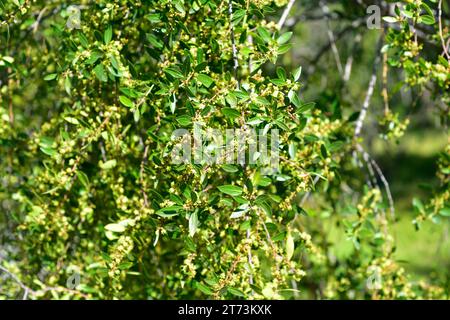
(290, 246)
(83, 40)
(231, 190)
(427, 19)
(67, 85)
(230, 113)
(95, 55)
(390, 19)
(280, 236)
(230, 168)
(8, 59)
(51, 76)
(107, 36)
(115, 227)
(305, 107)
(293, 97)
(265, 35)
(297, 73)
(203, 288)
(125, 265)
(206, 80)
(100, 73)
(174, 73)
(48, 151)
(126, 101)
(184, 120)
(284, 48)
(83, 179)
(71, 120)
(445, 212)
(427, 8)
(108, 164)
(418, 205)
(193, 224)
(238, 15)
(284, 38)
(235, 292)
(154, 41)
(240, 212)
(169, 211)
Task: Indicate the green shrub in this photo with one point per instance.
(94, 205)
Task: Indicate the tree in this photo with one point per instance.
(97, 203)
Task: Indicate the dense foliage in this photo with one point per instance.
(91, 195)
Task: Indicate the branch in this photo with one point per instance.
(20, 283)
(374, 165)
(326, 11)
(285, 14)
(444, 46)
(370, 90)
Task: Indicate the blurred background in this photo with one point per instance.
(333, 35)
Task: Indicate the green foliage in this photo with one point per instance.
(89, 187)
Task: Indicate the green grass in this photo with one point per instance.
(424, 253)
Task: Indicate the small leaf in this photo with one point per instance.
(203, 288)
(390, 19)
(235, 292)
(184, 120)
(125, 265)
(126, 101)
(169, 211)
(240, 212)
(230, 113)
(83, 178)
(71, 120)
(174, 73)
(290, 246)
(230, 168)
(445, 212)
(297, 73)
(206, 80)
(48, 151)
(8, 59)
(100, 73)
(193, 224)
(109, 164)
(427, 19)
(51, 76)
(67, 85)
(284, 38)
(418, 205)
(231, 190)
(107, 36)
(115, 227)
(265, 35)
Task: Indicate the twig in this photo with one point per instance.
(349, 63)
(444, 46)
(374, 165)
(370, 90)
(330, 33)
(386, 187)
(16, 279)
(285, 14)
